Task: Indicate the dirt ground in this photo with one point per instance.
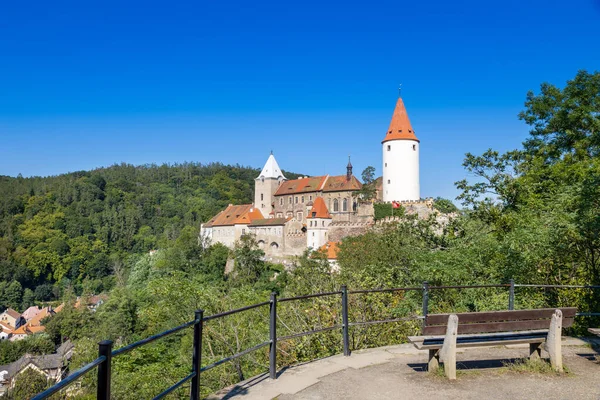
(481, 375)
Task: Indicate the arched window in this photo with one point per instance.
(261, 244)
(345, 205)
(336, 205)
(274, 246)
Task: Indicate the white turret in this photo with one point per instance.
(400, 159)
(266, 184)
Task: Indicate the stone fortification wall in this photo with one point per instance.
(340, 230)
(295, 244)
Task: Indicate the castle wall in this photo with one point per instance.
(340, 230)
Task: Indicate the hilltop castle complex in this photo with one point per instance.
(289, 216)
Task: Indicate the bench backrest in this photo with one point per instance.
(498, 321)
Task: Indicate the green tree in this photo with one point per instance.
(27, 384)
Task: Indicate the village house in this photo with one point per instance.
(12, 318)
(52, 366)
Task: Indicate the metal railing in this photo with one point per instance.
(105, 352)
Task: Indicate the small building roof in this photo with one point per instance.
(319, 209)
(271, 169)
(269, 221)
(31, 312)
(37, 320)
(331, 249)
(242, 214)
(400, 127)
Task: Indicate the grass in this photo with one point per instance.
(533, 366)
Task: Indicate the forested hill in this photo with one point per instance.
(65, 230)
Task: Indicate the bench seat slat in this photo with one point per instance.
(473, 340)
(490, 327)
(492, 316)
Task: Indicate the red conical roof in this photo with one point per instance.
(319, 209)
(400, 128)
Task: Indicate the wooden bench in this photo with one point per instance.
(443, 333)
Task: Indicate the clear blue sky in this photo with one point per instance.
(85, 84)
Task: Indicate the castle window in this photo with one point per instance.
(323, 223)
(314, 214)
(243, 231)
(313, 234)
(302, 199)
(299, 216)
(296, 199)
(281, 201)
(336, 205)
(279, 215)
(261, 197)
(414, 147)
(290, 202)
(310, 197)
(345, 205)
(389, 181)
(386, 164)
(389, 147)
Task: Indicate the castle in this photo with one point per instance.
(289, 216)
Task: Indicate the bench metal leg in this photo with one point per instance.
(535, 350)
(434, 360)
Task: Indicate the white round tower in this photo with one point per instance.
(400, 159)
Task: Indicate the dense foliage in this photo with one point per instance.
(532, 215)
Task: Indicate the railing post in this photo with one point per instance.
(273, 337)
(103, 390)
(345, 320)
(197, 354)
(511, 295)
(425, 301)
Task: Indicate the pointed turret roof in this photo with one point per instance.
(271, 169)
(319, 209)
(400, 128)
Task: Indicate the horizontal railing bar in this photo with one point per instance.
(243, 353)
(384, 321)
(383, 290)
(237, 310)
(295, 335)
(142, 342)
(308, 296)
(587, 314)
(471, 286)
(559, 286)
(175, 386)
(70, 379)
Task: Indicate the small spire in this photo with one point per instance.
(349, 170)
(271, 152)
(400, 90)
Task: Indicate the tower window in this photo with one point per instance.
(389, 147)
(296, 199)
(389, 181)
(414, 147)
(386, 164)
(290, 200)
(261, 197)
(302, 198)
(281, 201)
(336, 205)
(345, 205)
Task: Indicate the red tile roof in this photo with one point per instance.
(319, 209)
(242, 214)
(324, 183)
(302, 185)
(269, 221)
(400, 128)
(331, 249)
(341, 183)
